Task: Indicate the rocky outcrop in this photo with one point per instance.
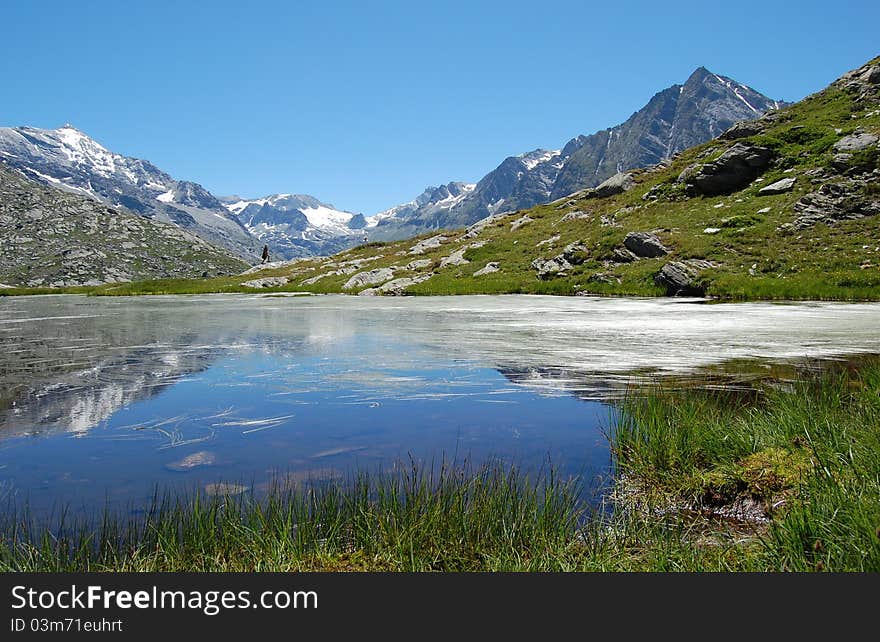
(679, 278)
(733, 170)
(779, 187)
(456, 258)
(855, 142)
(743, 129)
(51, 238)
(428, 244)
(549, 268)
(518, 223)
(645, 245)
(832, 202)
(371, 277)
(575, 253)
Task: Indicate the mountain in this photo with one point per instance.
(69, 160)
(786, 206)
(295, 225)
(673, 120)
(52, 238)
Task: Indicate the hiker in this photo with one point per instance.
(265, 254)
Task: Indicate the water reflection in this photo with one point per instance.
(215, 390)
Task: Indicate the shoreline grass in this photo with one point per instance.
(784, 476)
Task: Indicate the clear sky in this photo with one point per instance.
(363, 104)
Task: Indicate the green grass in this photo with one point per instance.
(808, 455)
(806, 452)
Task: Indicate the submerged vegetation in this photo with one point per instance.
(782, 476)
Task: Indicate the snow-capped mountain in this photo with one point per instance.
(68, 159)
(673, 120)
(297, 224)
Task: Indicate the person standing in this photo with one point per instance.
(265, 254)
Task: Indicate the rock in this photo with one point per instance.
(779, 187)
(575, 215)
(518, 223)
(733, 170)
(679, 277)
(575, 253)
(201, 458)
(428, 244)
(855, 142)
(267, 282)
(645, 245)
(397, 287)
(743, 129)
(617, 184)
(372, 277)
(711, 230)
(622, 255)
(224, 488)
(602, 277)
(456, 258)
(477, 228)
(491, 267)
(418, 264)
(836, 202)
(549, 241)
(549, 268)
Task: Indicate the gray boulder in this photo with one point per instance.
(680, 277)
(617, 184)
(779, 187)
(733, 170)
(428, 244)
(372, 277)
(645, 245)
(575, 253)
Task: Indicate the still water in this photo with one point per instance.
(104, 399)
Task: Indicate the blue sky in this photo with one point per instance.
(363, 104)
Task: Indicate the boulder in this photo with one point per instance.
(617, 184)
(644, 245)
(575, 253)
(372, 277)
(491, 267)
(855, 142)
(267, 282)
(679, 277)
(549, 268)
(779, 187)
(622, 255)
(733, 170)
(575, 215)
(477, 228)
(397, 287)
(743, 129)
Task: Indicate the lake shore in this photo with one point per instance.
(801, 456)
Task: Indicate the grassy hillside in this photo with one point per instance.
(820, 240)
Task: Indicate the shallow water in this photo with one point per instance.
(103, 399)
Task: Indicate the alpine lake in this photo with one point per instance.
(105, 401)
